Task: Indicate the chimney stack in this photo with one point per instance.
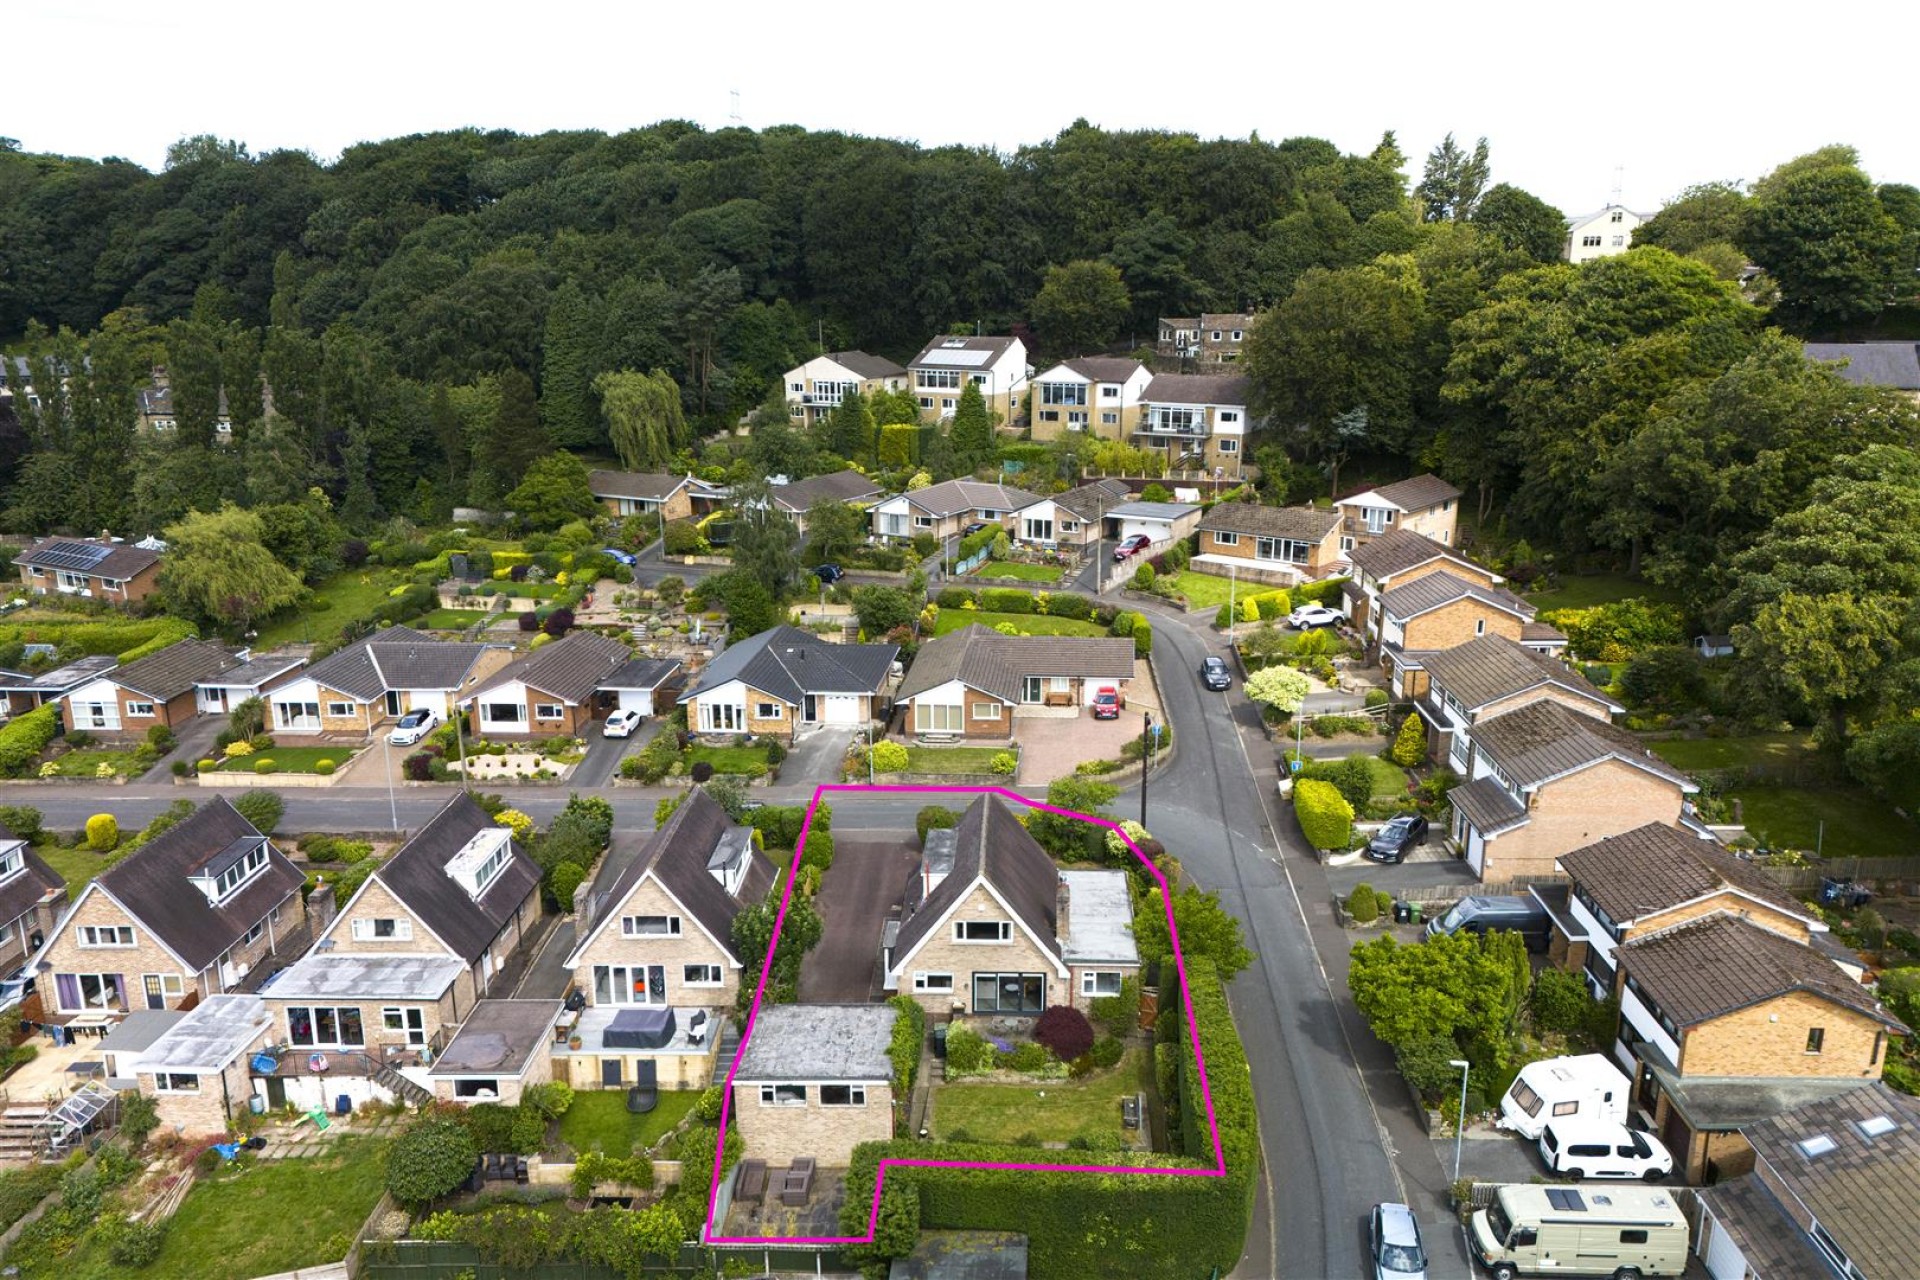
(1060, 929)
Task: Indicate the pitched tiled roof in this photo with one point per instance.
(1198, 388)
(790, 663)
(569, 669)
(152, 883)
(35, 880)
(397, 658)
(1873, 364)
(1769, 1241)
(1544, 740)
(1305, 524)
(175, 669)
(641, 673)
(1865, 1192)
(989, 842)
(867, 366)
(417, 875)
(255, 671)
(1489, 668)
(1430, 591)
(940, 351)
(632, 484)
(1398, 550)
(1654, 868)
(994, 663)
(116, 561)
(1091, 501)
(951, 497)
(1416, 494)
(1487, 805)
(51, 684)
(836, 486)
(1720, 963)
(1104, 368)
(1537, 632)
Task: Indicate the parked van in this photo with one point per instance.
(1587, 1085)
(1580, 1231)
(1602, 1149)
(1524, 916)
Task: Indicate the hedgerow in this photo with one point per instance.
(1326, 819)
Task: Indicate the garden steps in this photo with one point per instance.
(401, 1087)
(729, 1050)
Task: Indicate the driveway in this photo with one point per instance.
(193, 742)
(604, 754)
(816, 757)
(1051, 748)
(860, 888)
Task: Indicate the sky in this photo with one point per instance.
(1574, 101)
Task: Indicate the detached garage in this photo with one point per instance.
(1162, 522)
(635, 685)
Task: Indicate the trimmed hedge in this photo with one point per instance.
(91, 637)
(1325, 591)
(1326, 819)
(24, 738)
(909, 1032)
(1006, 600)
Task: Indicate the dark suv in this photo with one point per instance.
(1392, 841)
(1214, 674)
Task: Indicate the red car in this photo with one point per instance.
(1133, 545)
(1106, 703)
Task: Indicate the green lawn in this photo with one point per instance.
(1205, 591)
(951, 759)
(1857, 825)
(268, 1217)
(599, 1118)
(86, 762)
(453, 619)
(741, 759)
(1032, 623)
(1780, 749)
(1020, 572)
(76, 865)
(347, 595)
(289, 759)
(1050, 1110)
(1389, 779)
(1587, 590)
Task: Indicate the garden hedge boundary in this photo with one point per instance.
(1326, 819)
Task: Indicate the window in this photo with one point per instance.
(1214, 336)
(1049, 415)
(1226, 539)
(722, 717)
(926, 402)
(946, 402)
(96, 715)
(1619, 241)
(843, 1095)
(1589, 242)
(91, 991)
(767, 710)
(986, 711)
(1063, 393)
(783, 1095)
(176, 1082)
(1618, 216)
(923, 522)
(1479, 626)
(982, 930)
(338, 710)
(1037, 530)
(1229, 446)
(325, 1027)
(701, 975)
(977, 379)
(106, 935)
(650, 926)
(1109, 419)
(933, 982)
(938, 379)
(1289, 550)
(549, 711)
(476, 1088)
(1229, 415)
(1009, 992)
(629, 984)
(1236, 335)
(72, 581)
(139, 710)
(252, 935)
(1566, 1108)
(298, 715)
(393, 1019)
(1816, 1039)
(1076, 419)
(503, 712)
(1100, 982)
(796, 386)
(1109, 392)
(936, 717)
(1633, 1236)
(1346, 544)
(367, 929)
(240, 872)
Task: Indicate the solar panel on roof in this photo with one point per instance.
(971, 359)
(1565, 1198)
(70, 555)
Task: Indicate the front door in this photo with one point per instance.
(156, 996)
(393, 702)
(811, 711)
(416, 1027)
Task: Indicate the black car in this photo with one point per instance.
(1214, 674)
(1398, 836)
(973, 528)
(828, 574)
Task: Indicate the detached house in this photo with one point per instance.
(659, 943)
(816, 388)
(158, 689)
(944, 509)
(975, 682)
(1097, 394)
(1602, 234)
(785, 680)
(1426, 504)
(845, 488)
(1436, 611)
(223, 691)
(553, 690)
(1284, 545)
(993, 926)
(1213, 337)
(32, 897)
(377, 679)
(118, 572)
(1545, 780)
(1400, 557)
(1070, 519)
(1490, 675)
(1725, 1023)
(461, 888)
(197, 909)
(998, 366)
(22, 691)
(1199, 420)
(630, 493)
(815, 1081)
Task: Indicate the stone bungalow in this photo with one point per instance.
(354, 691)
(975, 682)
(1279, 545)
(786, 680)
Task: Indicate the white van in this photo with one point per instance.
(1587, 1086)
(1580, 1231)
(1602, 1149)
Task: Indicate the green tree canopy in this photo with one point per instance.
(644, 418)
(1205, 930)
(1080, 307)
(217, 570)
(554, 491)
(1522, 222)
(1822, 234)
(971, 433)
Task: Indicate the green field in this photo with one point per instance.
(453, 619)
(1782, 750)
(1856, 824)
(1038, 624)
(350, 594)
(1052, 1111)
(1205, 591)
(599, 1118)
(289, 759)
(1587, 590)
(951, 759)
(1018, 572)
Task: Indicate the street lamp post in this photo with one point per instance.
(867, 729)
(386, 758)
(1460, 1122)
(1146, 761)
(1232, 600)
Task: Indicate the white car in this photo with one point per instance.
(413, 726)
(1581, 1149)
(1313, 615)
(621, 724)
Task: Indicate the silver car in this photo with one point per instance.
(1393, 1242)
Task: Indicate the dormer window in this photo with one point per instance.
(480, 862)
(13, 860)
(240, 872)
(233, 866)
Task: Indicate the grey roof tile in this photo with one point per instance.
(990, 843)
(417, 875)
(647, 486)
(994, 346)
(1873, 364)
(1487, 805)
(260, 669)
(121, 561)
(835, 486)
(870, 367)
(1544, 740)
(397, 658)
(1431, 591)
(955, 497)
(1305, 524)
(1489, 668)
(993, 663)
(1769, 1240)
(1090, 501)
(1398, 550)
(175, 670)
(569, 669)
(790, 663)
(34, 881)
(1655, 868)
(642, 673)
(1104, 368)
(1198, 388)
(1414, 494)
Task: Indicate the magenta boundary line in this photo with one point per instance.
(1219, 1169)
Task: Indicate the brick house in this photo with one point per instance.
(1283, 545)
(1545, 780)
(1198, 420)
(1071, 519)
(786, 680)
(462, 888)
(976, 682)
(944, 509)
(991, 926)
(354, 691)
(1098, 395)
(198, 1072)
(1835, 1191)
(32, 897)
(555, 690)
(1650, 878)
(119, 572)
(197, 909)
(633, 493)
(1212, 337)
(847, 488)
(997, 365)
(815, 1080)
(1425, 504)
(159, 689)
(22, 691)
(816, 388)
(1720, 1019)
(1395, 558)
(1439, 610)
(499, 1051)
(1490, 675)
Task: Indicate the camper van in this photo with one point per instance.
(1587, 1086)
(1580, 1231)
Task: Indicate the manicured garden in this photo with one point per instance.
(599, 1120)
(951, 759)
(749, 758)
(98, 762)
(1038, 624)
(350, 594)
(1765, 750)
(453, 619)
(1586, 590)
(1206, 591)
(1018, 572)
(1054, 1111)
(1857, 825)
(286, 759)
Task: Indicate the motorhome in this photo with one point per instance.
(1587, 1086)
(1580, 1231)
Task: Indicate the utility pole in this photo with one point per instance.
(1146, 761)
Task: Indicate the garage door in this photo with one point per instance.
(1724, 1259)
(840, 709)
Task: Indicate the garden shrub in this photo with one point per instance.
(1078, 608)
(682, 538)
(934, 817)
(24, 821)
(529, 620)
(1410, 746)
(968, 1052)
(1065, 1030)
(562, 882)
(262, 808)
(181, 768)
(418, 767)
(1003, 763)
(1325, 591)
(103, 833)
(1619, 630)
(1376, 698)
(23, 738)
(1143, 578)
(1350, 776)
(325, 768)
(1427, 1064)
(1362, 905)
(1029, 1057)
(955, 598)
(1325, 817)
(1560, 1002)
(429, 1160)
(265, 764)
(519, 823)
(903, 1050)
(888, 757)
(1005, 600)
(160, 738)
(1107, 1052)
(1120, 1014)
(708, 1107)
(702, 770)
(132, 1244)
